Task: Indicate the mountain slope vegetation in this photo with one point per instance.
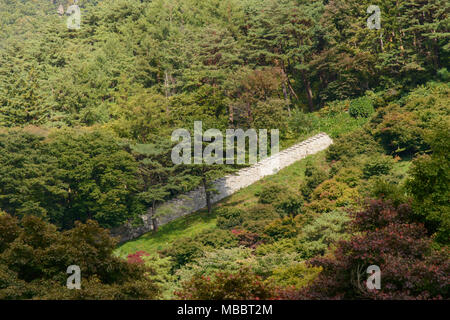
(86, 118)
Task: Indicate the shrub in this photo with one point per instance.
(9, 230)
(298, 275)
(261, 212)
(444, 74)
(377, 166)
(330, 195)
(319, 234)
(256, 226)
(218, 260)
(400, 132)
(384, 189)
(352, 144)
(350, 176)
(314, 176)
(271, 113)
(162, 273)
(228, 218)
(302, 123)
(281, 228)
(292, 206)
(137, 257)
(379, 214)
(91, 290)
(361, 108)
(285, 246)
(410, 270)
(334, 108)
(271, 194)
(244, 285)
(265, 265)
(216, 239)
(183, 250)
(248, 239)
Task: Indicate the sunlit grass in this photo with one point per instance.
(186, 226)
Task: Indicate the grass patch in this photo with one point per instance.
(339, 124)
(186, 226)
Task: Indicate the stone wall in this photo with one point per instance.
(226, 186)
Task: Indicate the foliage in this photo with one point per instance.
(260, 212)
(228, 218)
(377, 166)
(429, 185)
(384, 189)
(318, 235)
(137, 257)
(266, 265)
(161, 274)
(298, 275)
(292, 206)
(86, 117)
(217, 239)
(400, 132)
(314, 176)
(35, 257)
(401, 127)
(352, 144)
(361, 107)
(243, 285)
(411, 269)
(248, 239)
(330, 195)
(281, 228)
(271, 194)
(351, 176)
(286, 246)
(303, 123)
(182, 251)
(219, 260)
(72, 177)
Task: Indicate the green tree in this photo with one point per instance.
(429, 185)
(35, 256)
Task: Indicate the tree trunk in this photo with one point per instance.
(155, 224)
(309, 94)
(286, 98)
(207, 195)
(154, 220)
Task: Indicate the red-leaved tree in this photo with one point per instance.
(410, 267)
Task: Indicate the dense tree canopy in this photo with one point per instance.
(139, 58)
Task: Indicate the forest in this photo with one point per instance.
(86, 117)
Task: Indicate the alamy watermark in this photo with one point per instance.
(374, 21)
(214, 153)
(374, 280)
(73, 21)
(74, 281)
